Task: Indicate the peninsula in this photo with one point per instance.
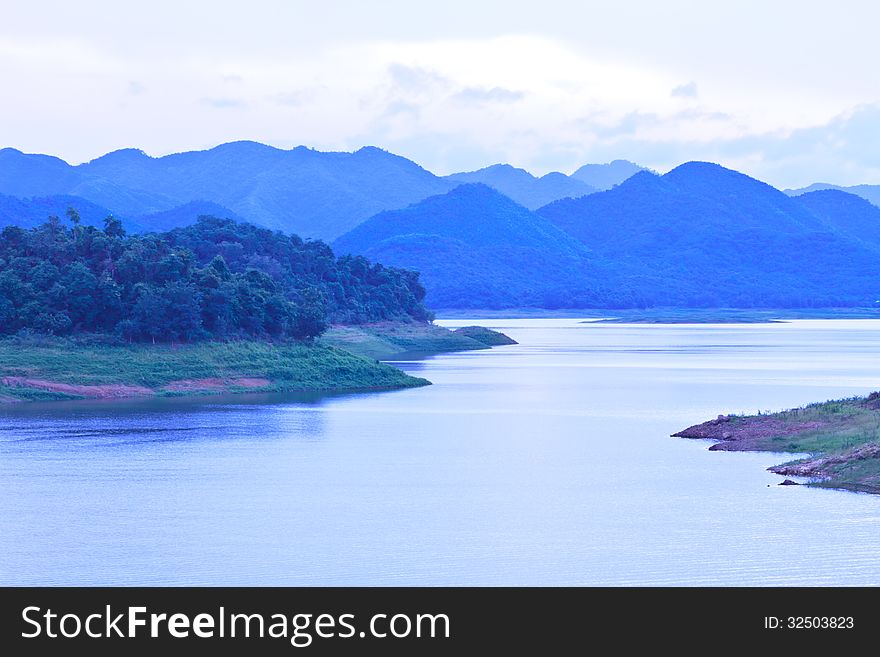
(217, 306)
(842, 438)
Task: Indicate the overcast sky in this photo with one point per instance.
(788, 92)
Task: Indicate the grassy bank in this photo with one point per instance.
(485, 335)
(842, 438)
(55, 368)
(394, 340)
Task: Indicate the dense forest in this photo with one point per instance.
(303, 191)
(703, 236)
(476, 248)
(215, 279)
(700, 236)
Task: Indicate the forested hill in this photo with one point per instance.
(523, 187)
(845, 213)
(476, 248)
(870, 193)
(302, 191)
(606, 176)
(705, 236)
(215, 279)
(698, 236)
(31, 212)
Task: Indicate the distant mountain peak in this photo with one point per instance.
(477, 191)
(844, 212)
(379, 154)
(702, 169)
(554, 175)
(696, 173)
(606, 176)
(374, 153)
(503, 167)
(700, 164)
(523, 187)
(642, 179)
(366, 150)
(244, 146)
(822, 199)
(476, 247)
(815, 187)
(474, 195)
(836, 193)
(870, 193)
(10, 153)
(121, 155)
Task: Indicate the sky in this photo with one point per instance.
(784, 91)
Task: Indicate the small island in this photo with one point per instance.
(842, 438)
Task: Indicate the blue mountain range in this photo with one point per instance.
(311, 193)
(611, 235)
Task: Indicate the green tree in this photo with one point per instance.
(310, 319)
(77, 293)
(74, 217)
(215, 279)
(113, 227)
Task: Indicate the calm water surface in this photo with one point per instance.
(549, 462)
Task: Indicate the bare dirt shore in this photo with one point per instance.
(842, 438)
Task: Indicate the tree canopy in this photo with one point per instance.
(215, 279)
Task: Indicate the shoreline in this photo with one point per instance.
(47, 369)
(841, 438)
(196, 390)
(389, 341)
(41, 369)
(667, 315)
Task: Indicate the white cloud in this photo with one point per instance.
(540, 88)
(415, 79)
(484, 95)
(688, 90)
(224, 103)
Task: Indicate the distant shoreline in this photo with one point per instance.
(664, 315)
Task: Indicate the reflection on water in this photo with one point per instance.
(547, 462)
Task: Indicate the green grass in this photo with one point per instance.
(858, 475)
(832, 433)
(390, 340)
(32, 394)
(844, 423)
(484, 335)
(288, 365)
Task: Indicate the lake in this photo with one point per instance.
(544, 463)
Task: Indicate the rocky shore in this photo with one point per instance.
(842, 439)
